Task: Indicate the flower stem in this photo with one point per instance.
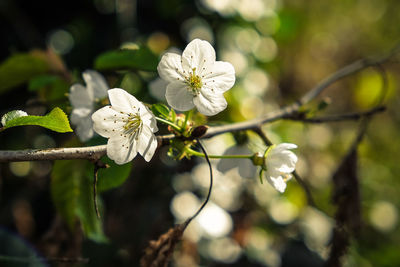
(176, 127)
(188, 114)
(199, 154)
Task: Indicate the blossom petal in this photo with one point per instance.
(148, 118)
(198, 54)
(107, 121)
(123, 101)
(95, 83)
(84, 130)
(285, 146)
(120, 149)
(79, 97)
(147, 143)
(179, 97)
(79, 114)
(278, 183)
(81, 117)
(170, 67)
(220, 76)
(245, 167)
(284, 161)
(209, 104)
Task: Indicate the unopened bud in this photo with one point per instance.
(258, 159)
(199, 131)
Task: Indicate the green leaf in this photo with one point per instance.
(56, 120)
(20, 68)
(140, 59)
(113, 176)
(85, 210)
(160, 110)
(41, 81)
(72, 193)
(65, 188)
(9, 116)
(50, 88)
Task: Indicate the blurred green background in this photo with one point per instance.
(280, 50)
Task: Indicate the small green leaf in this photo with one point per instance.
(56, 120)
(20, 68)
(113, 176)
(160, 110)
(140, 59)
(9, 116)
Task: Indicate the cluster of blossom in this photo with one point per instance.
(194, 79)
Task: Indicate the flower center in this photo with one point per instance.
(194, 82)
(133, 125)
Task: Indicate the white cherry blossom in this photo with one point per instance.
(129, 126)
(280, 162)
(196, 79)
(83, 99)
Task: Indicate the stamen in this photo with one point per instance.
(194, 82)
(133, 126)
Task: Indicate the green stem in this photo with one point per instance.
(188, 114)
(199, 154)
(176, 127)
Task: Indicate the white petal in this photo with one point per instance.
(123, 101)
(225, 165)
(84, 130)
(220, 76)
(120, 149)
(79, 97)
(284, 161)
(148, 118)
(209, 104)
(157, 88)
(147, 143)
(278, 183)
(285, 146)
(170, 67)
(95, 84)
(198, 54)
(108, 122)
(81, 117)
(79, 114)
(245, 167)
(179, 97)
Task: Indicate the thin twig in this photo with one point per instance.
(91, 153)
(339, 117)
(95, 152)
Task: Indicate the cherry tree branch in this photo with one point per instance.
(288, 112)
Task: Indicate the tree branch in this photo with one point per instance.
(95, 152)
(338, 117)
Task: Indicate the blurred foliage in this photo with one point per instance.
(72, 192)
(140, 58)
(19, 69)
